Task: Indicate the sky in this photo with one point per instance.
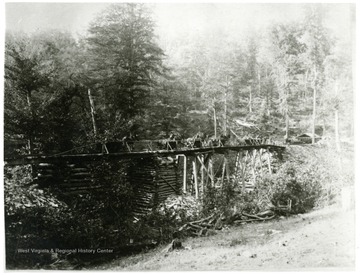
(172, 19)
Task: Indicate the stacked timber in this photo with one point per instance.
(152, 179)
(45, 174)
(167, 180)
(78, 179)
(71, 179)
(142, 176)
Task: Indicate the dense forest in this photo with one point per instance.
(64, 92)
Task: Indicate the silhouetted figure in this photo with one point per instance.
(223, 139)
(199, 137)
(128, 141)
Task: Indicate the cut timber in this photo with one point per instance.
(269, 160)
(208, 171)
(195, 179)
(185, 174)
(255, 217)
(201, 160)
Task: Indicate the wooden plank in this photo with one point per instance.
(211, 171)
(201, 158)
(253, 163)
(269, 161)
(195, 179)
(242, 162)
(261, 153)
(168, 183)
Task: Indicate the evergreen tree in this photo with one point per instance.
(318, 46)
(123, 62)
(288, 66)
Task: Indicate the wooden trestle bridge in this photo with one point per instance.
(157, 171)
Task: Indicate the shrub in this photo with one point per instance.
(219, 198)
(33, 219)
(298, 184)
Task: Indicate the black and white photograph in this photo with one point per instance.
(179, 136)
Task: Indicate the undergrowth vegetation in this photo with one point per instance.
(36, 219)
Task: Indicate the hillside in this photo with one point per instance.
(320, 240)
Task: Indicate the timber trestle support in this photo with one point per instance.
(159, 174)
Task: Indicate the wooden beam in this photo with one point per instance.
(253, 162)
(261, 153)
(243, 160)
(185, 174)
(211, 172)
(80, 158)
(269, 161)
(203, 166)
(223, 170)
(202, 176)
(237, 164)
(168, 183)
(195, 179)
(227, 172)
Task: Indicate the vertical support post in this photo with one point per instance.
(223, 170)
(269, 161)
(227, 169)
(195, 179)
(242, 169)
(237, 164)
(211, 171)
(202, 176)
(253, 162)
(261, 162)
(185, 174)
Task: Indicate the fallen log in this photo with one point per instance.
(265, 213)
(254, 220)
(201, 227)
(255, 217)
(204, 219)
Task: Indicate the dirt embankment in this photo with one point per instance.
(320, 240)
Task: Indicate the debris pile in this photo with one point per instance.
(203, 227)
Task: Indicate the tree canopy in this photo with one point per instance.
(62, 93)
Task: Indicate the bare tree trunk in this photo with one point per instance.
(314, 107)
(92, 107)
(250, 99)
(215, 122)
(286, 115)
(30, 136)
(336, 121)
(259, 78)
(286, 125)
(267, 95)
(225, 113)
(337, 139)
